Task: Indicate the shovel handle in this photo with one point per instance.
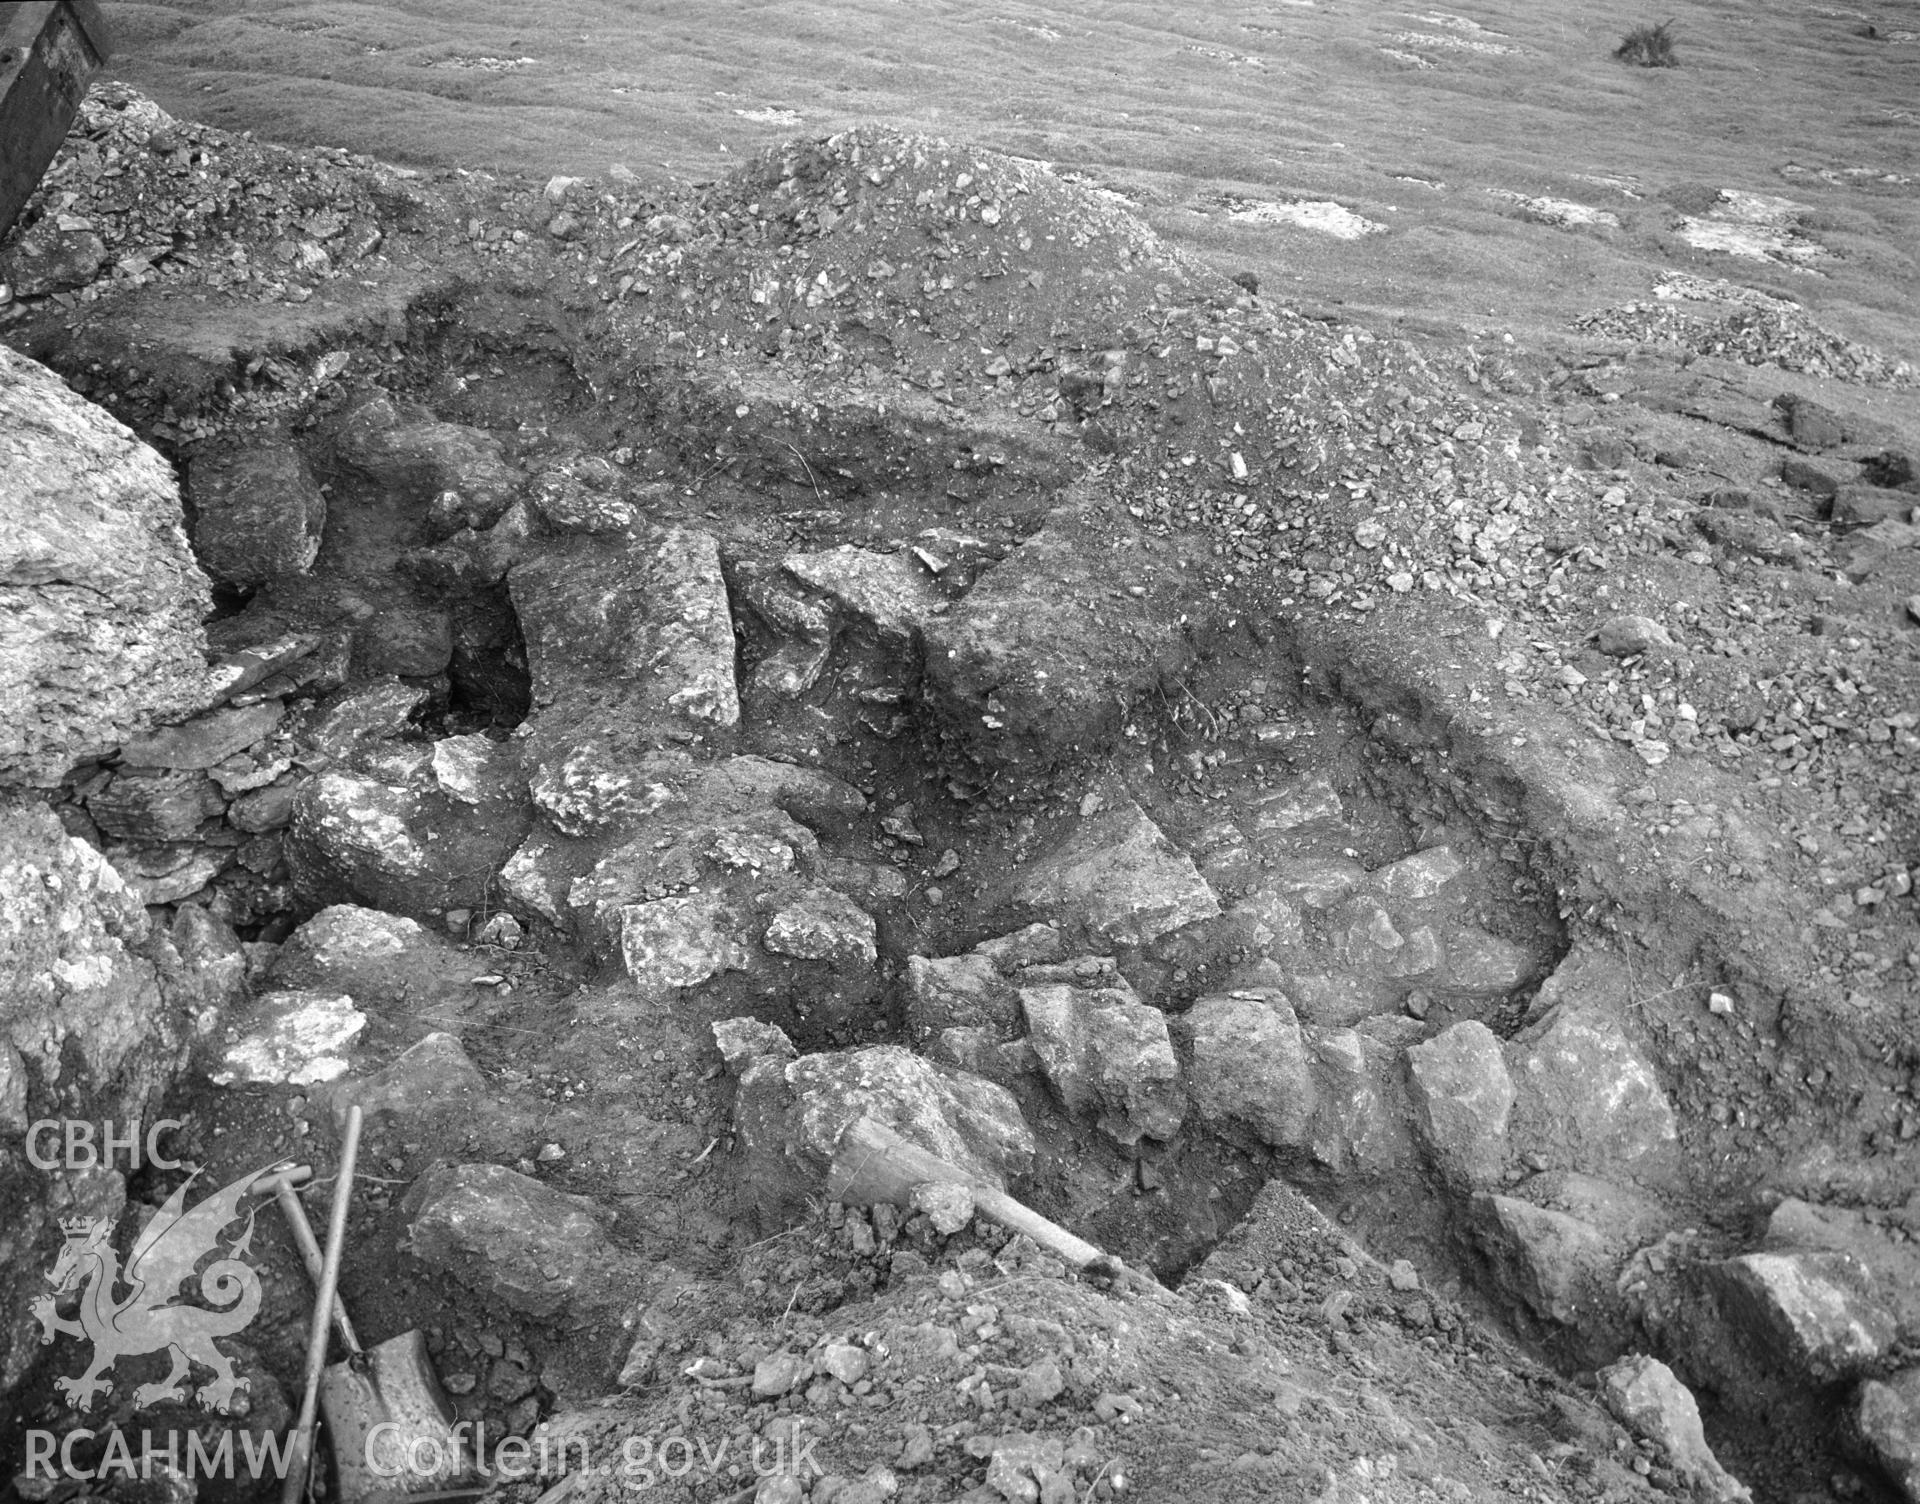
(294, 1484)
(310, 1255)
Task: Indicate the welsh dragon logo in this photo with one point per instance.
(147, 1319)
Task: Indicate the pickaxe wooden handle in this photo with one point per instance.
(876, 1164)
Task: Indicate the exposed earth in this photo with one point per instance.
(1403, 837)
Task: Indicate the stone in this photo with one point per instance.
(1649, 1401)
(1760, 503)
(1250, 1067)
(582, 792)
(101, 603)
(177, 882)
(891, 595)
(406, 640)
(679, 1305)
(1586, 1100)
(470, 559)
(1560, 1267)
(431, 1081)
(243, 666)
(205, 740)
(291, 1038)
(1753, 535)
(757, 859)
(1365, 935)
(1628, 1219)
(1811, 425)
(1804, 475)
(345, 948)
(1605, 451)
(1118, 879)
(793, 668)
(505, 1235)
(1040, 1383)
(1893, 1263)
(681, 942)
(262, 854)
(80, 997)
(1817, 1312)
(1229, 864)
(1588, 975)
(1862, 506)
(341, 727)
(802, 624)
(209, 946)
(966, 992)
(474, 769)
(1357, 1127)
(824, 925)
(744, 1040)
(579, 498)
(253, 769)
(1338, 1001)
(256, 510)
(774, 1376)
(47, 259)
(1887, 1414)
(1042, 656)
(921, 1347)
(1306, 806)
(637, 632)
(843, 1361)
(1314, 882)
(1035, 945)
(499, 932)
(1418, 877)
(1463, 1097)
(420, 460)
(152, 807)
(1108, 1056)
(947, 1206)
(1484, 965)
(355, 839)
(1018, 1462)
(1277, 926)
(1892, 468)
(1871, 549)
(1628, 636)
(13, 1094)
(985, 1053)
(536, 879)
(791, 1114)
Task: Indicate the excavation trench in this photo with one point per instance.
(1269, 856)
(607, 717)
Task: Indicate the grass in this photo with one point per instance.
(1648, 47)
(1179, 107)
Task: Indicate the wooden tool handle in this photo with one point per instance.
(295, 1482)
(876, 1164)
(282, 1187)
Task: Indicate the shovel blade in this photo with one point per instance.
(390, 1425)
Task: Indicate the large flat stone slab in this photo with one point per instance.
(1117, 879)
